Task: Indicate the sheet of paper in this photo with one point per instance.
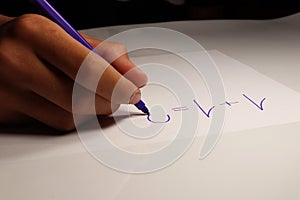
(261, 101)
(252, 100)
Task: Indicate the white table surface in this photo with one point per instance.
(256, 164)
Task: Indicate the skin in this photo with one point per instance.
(39, 62)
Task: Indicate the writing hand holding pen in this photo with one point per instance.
(39, 62)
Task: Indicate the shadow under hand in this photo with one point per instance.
(107, 121)
(36, 140)
(40, 129)
(34, 128)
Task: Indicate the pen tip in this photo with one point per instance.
(146, 111)
(141, 106)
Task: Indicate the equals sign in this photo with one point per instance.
(180, 108)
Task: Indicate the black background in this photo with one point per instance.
(99, 13)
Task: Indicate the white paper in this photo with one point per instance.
(252, 101)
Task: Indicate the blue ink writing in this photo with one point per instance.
(260, 106)
(207, 114)
(160, 122)
(229, 103)
(180, 108)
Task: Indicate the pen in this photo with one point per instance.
(48, 9)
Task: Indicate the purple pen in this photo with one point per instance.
(50, 11)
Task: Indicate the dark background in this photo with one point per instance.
(99, 13)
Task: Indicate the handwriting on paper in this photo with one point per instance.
(155, 121)
(207, 113)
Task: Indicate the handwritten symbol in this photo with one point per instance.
(205, 113)
(208, 113)
(160, 122)
(229, 103)
(180, 108)
(260, 106)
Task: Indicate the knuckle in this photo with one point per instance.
(22, 24)
(116, 48)
(120, 48)
(28, 25)
(119, 45)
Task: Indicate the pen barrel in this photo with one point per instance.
(50, 11)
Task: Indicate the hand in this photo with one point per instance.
(39, 62)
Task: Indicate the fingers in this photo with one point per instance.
(59, 49)
(57, 88)
(53, 85)
(25, 71)
(128, 69)
(116, 54)
(51, 43)
(8, 113)
(41, 67)
(96, 74)
(46, 112)
(29, 106)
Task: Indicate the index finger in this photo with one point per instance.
(116, 54)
